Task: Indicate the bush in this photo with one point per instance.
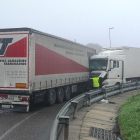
(129, 118)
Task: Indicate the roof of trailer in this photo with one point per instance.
(41, 33)
(119, 48)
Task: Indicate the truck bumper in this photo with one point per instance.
(18, 106)
(15, 102)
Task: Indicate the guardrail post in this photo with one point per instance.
(75, 104)
(137, 85)
(88, 97)
(121, 88)
(65, 120)
(105, 92)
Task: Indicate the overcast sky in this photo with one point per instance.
(87, 21)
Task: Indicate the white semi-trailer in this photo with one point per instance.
(39, 67)
(115, 66)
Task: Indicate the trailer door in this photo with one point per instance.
(14, 60)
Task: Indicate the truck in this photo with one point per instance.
(114, 66)
(38, 67)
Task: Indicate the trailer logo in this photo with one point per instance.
(4, 44)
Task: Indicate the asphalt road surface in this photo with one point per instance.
(35, 125)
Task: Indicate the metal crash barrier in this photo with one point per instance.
(69, 110)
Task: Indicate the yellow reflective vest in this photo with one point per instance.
(96, 82)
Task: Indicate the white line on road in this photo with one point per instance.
(16, 125)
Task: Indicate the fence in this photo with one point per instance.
(86, 99)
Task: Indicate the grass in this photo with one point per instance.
(129, 118)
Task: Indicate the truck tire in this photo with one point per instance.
(51, 97)
(117, 83)
(60, 95)
(67, 93)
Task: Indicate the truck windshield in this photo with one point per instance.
(99, 64)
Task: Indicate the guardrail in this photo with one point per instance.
(85, 99)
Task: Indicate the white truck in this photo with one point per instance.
(115, 66)
(38, 67)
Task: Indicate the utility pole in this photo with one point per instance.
(109, 35)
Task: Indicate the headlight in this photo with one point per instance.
(104, 84)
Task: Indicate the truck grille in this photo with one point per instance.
(92, 75)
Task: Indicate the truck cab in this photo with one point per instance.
(108, 67)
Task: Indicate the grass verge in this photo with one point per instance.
(129, 118)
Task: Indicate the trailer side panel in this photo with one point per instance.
(57, 62)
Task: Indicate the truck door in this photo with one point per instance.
(116, 71)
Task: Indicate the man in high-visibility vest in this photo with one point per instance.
(96, 82)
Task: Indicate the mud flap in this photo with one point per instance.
(21, 108)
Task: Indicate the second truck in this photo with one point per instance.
(114, 66)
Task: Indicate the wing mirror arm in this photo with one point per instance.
(111, 65)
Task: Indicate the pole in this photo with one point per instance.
(66, 132)
(109, 38)
(65, 120)
(109, 35)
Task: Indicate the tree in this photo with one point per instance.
(97, 47)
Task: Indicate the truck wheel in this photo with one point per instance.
(60, 95)
(117, 83)
(88, 88)
(67, 93)
(51, 97)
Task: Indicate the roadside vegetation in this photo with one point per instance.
(129, 118)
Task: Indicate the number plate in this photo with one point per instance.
(12, 96)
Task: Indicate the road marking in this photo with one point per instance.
(16, 125)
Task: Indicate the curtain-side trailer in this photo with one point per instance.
(39, 67)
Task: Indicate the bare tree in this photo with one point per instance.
(97, 47)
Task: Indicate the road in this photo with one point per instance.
(35, 125)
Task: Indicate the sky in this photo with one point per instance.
(86, 21)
